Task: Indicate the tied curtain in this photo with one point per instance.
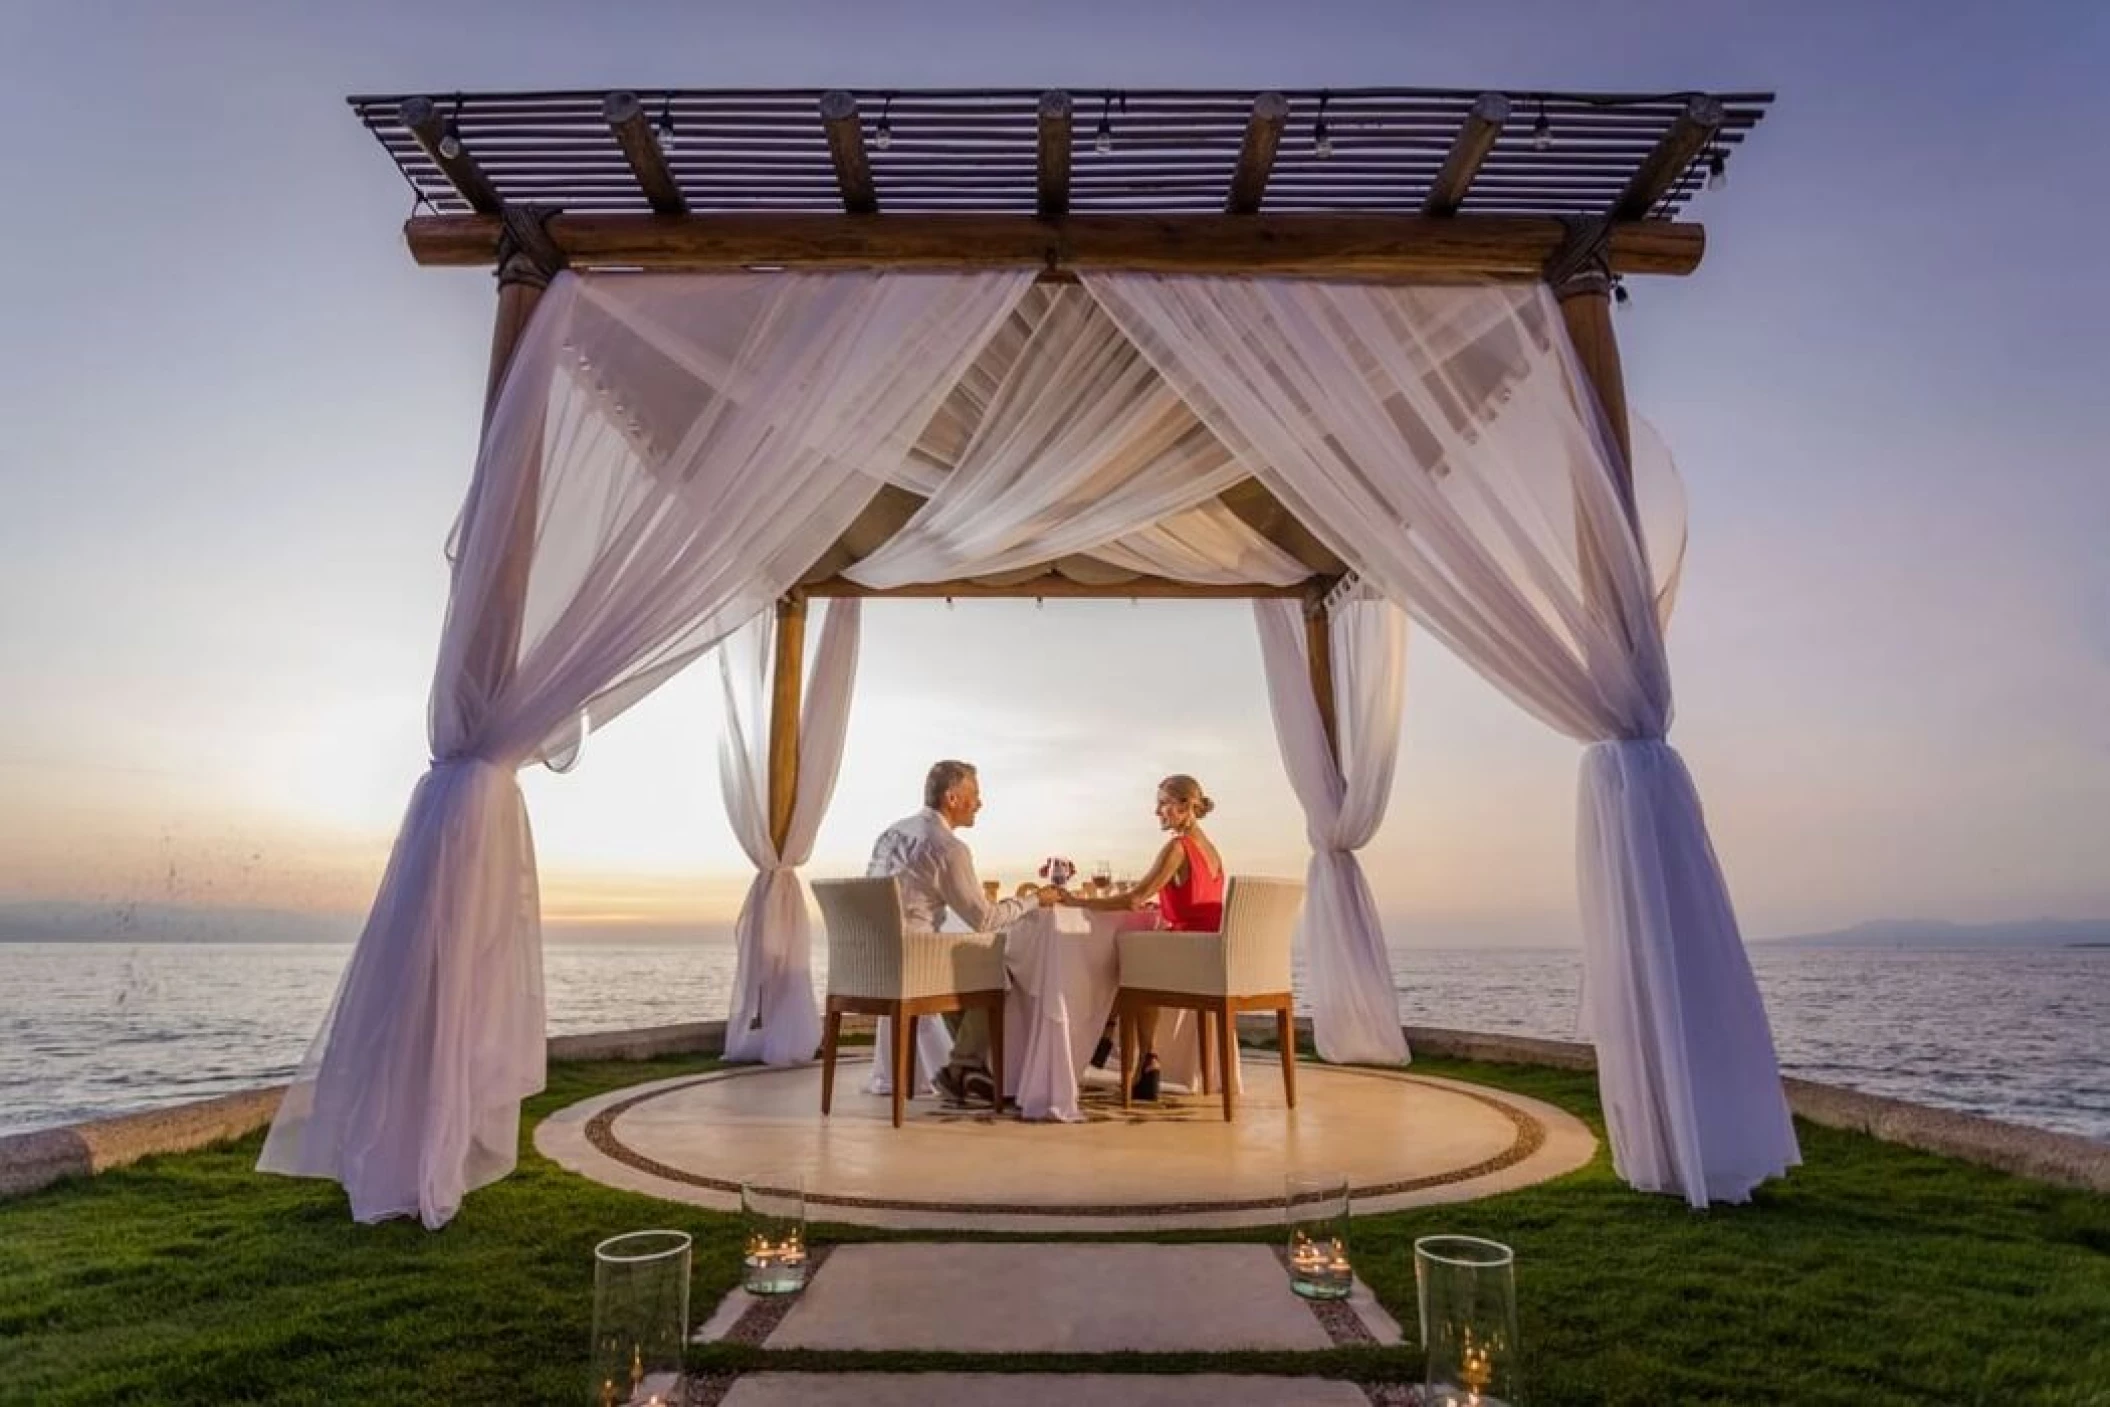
(1445, 442)
(774, 1016)
(1354, 1002)
(665, 457)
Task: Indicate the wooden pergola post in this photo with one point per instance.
(1318, 649)
(527, 262)
(1581, 279)
(787, 690)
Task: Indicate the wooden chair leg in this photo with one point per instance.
(1204, 1037)
(1127, 1021)
(1286, 1037)
(996, 1048)
(831, 1034)
(1227, 1049)
(904, 1060)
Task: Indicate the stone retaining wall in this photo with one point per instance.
(32, 1160)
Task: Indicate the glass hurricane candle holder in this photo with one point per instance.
(1468, 1294)
(1315, 1213)
(640, 1317)
(773, 1218)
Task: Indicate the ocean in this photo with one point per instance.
(91, 1029)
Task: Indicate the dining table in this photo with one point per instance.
(1061, 969)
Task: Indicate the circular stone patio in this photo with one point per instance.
(1403, 1140)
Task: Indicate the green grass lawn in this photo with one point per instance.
(1871, 1275)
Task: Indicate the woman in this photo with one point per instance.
(1187, 880)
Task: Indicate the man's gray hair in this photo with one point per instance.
(943, 777)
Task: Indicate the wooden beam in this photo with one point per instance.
(1054, 161)
(1264, 514)
(422, 117)
(1318, 650)
(888, 513)
(846, 148)
(1475, 139)
(1687, 138)
(1054, 587)
(1256, 155)
(634, 134)
(786, 690)
(1513, 247)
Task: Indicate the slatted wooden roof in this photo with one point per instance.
(1423, 151)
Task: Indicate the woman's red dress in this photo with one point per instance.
(1194, 904)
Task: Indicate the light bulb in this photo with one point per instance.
(663, 134)
(1322, 143)
(1541, 133)
(1105, 140)
(1717, 172)
(450, 141)
(884, 137)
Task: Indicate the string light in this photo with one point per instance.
(1542, 130)
(1619, 293)
(663, 130)
(1104, 141)
(883, 137)
(1321, 138)
(1717, 171)
(451, 132)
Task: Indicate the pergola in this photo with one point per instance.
(1404, 207)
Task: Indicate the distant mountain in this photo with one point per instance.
(1938, 933)
(63, 922)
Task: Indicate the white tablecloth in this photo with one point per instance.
(1062, 969)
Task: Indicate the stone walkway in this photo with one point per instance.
(1045, 1298)
(1037, 1390)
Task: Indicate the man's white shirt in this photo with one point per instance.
(936, 873)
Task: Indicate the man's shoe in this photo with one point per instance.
(979, 1087)
(951, 1083)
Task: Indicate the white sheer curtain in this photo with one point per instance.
(666, 456)
(1354, 1003)
(1063, 442)
(1444, 442)
(774, 1018)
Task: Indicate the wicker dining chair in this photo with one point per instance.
(877, 967)
(1245, 967)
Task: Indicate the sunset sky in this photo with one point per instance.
(239, 422)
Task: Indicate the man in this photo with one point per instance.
(935, 870)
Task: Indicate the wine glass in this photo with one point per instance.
(1102, 875)
(991, 888)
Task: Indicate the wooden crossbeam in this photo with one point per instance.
(1311, 246)
(1475, 139)
(888, 513)
(1256, 155)
(1054, 586)
(1265, 514)
(1688, 136)
(633, 133)
(422, 117)
(846, 148)
(1054, 160)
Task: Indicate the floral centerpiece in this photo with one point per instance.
(1057, 870)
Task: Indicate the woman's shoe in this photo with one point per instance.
(1147, 1082)
(1103, 1052)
